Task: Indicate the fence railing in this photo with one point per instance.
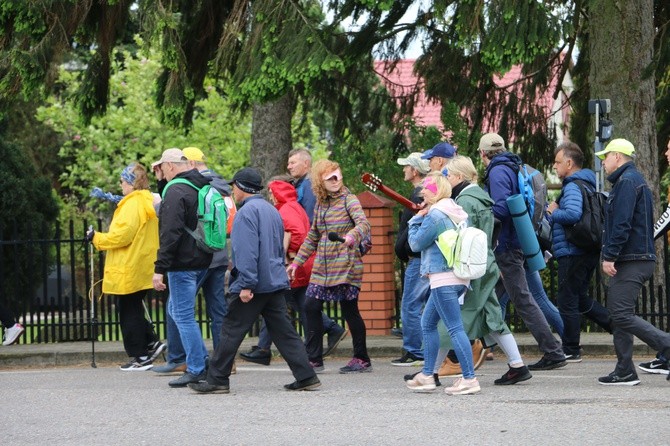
(51, 298)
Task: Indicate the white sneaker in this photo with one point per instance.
(12, 334)
(421, 383)
(463, 386)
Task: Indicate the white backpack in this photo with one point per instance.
(466, 250)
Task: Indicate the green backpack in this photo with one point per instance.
(210, 233)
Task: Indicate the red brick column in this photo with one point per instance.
(377, 298)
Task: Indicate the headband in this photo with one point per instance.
(127, 174)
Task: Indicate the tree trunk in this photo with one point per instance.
(271, 139)
(621, 50)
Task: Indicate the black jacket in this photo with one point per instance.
(178, 250)
(402, 249)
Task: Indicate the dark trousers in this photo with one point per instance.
(622, 293)
(238, 321)
(314, 334)
(574, 276)
(514, 280)
(136, 329)
(6, 317)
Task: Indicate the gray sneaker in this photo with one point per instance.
(170, 368)
(187, 378)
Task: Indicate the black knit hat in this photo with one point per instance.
(248, 180)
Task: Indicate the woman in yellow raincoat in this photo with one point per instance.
(131, 245)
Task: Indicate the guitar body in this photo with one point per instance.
(374, 183)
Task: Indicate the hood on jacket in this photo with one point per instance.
(477, 193)
(448, 206)
(586, 175)
(146, 199)
(283, 192)
(194, 177)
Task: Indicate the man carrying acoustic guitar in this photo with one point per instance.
(415, 288)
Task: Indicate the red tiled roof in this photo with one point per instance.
(402, 82)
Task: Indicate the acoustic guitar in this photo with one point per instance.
(374, 183)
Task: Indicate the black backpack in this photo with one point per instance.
(588, 231)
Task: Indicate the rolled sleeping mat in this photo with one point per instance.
(524, 230)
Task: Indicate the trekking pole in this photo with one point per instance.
(151, 322)
(92, 296)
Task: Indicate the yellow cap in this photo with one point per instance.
(194, 154)
(617, 145)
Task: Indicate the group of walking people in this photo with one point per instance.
(448, 184)
(300, 247)
(280, 254)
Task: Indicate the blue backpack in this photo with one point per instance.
(533, 189)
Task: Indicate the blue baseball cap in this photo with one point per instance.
(443, 150)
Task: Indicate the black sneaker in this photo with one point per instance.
(257, 355)
(657, 366)
(573, 358)
(334, 340)
(155, 349)
(615, 380)
(513, 376)
(407, 360)
(138, 365)
(548, 364)
(205, 387)
(304, 384)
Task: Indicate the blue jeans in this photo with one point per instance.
(181, 308)
(213, 287)
(549, 310)
(443, 304)
(415, 292)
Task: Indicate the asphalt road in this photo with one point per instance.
(105, 406)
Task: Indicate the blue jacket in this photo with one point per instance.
(629, 217)
(501, 181)
(569, 212)
(424, 231)
(306, 196)
(258, 252)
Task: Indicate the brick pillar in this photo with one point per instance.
(377, 297)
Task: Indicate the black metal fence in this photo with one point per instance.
(54, 304)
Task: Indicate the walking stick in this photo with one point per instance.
(151, 322)
(92, 296)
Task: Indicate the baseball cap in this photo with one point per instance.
(617, 145)
(194, 154)
(443, 150)
(491, 142)
(170, 156)
(248, 180)
(414, 160)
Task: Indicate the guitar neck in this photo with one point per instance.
(395, 196)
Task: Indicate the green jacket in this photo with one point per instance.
(481, 311)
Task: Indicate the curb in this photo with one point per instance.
(78, 353)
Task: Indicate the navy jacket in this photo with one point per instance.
(257, 240)
(501, 181)
(569, 212)
(629, 217)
